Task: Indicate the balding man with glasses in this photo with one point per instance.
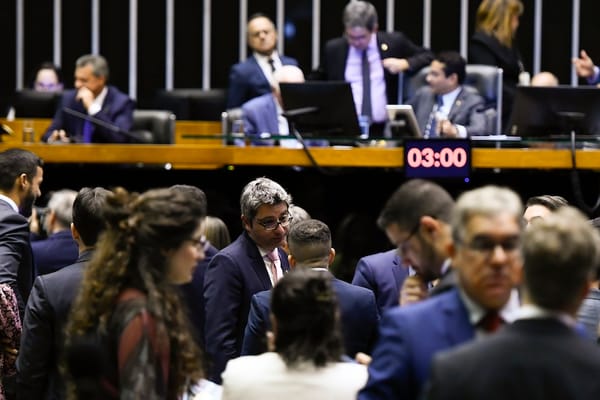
(486, 226)
(250, 264)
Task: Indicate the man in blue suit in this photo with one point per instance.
(309, 245)
(47, 311)
(92, 96)
(250, 264)
(254, 76)
(486, 227)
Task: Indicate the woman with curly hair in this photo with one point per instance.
(127, 336)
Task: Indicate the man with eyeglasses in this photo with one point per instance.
(486, 226)
(250, 264)
(253, 77)
(370, 60)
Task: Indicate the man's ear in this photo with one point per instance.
(331, 256)
(245, 223)
(430, 224)
(292, 261)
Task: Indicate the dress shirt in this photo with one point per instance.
(476, 312)
(264, 254)
(529, 311)
(10, 202)
(353, 74)
(265, 66)
(449, 99)
(96, 105)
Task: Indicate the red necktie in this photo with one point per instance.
(273, 257)
(491, 321)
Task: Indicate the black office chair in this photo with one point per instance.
(153, 126)
(193, 104)
(486, 79)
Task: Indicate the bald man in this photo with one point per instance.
(263, 115)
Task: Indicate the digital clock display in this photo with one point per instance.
(437, 158)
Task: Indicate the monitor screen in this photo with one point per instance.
(325, 108)
(30, 103)
(555, 111)
(403, 122)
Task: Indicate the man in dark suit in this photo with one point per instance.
(446, 107)
(528, 359)
(386, 54)
(58, 249)
(309, 245)
(47, 311)
(92, 96)
(254, 76)
(384, 274)
(250, 264)
(21, 175)
(486, 226)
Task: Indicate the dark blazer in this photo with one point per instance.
(408, 339)
(383, 274)
(43, 326)
(359, 317)
(529, 359)
(467, 109)
(117, 110)
(16, 264)
(193, 296)
(234, 274)
(486, 49)
(260, 115)
(54, 252)
(394, 44)
(247, 81)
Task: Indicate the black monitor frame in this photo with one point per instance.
(402, 121)
(330, 110)
(29, 103)
(555, 112)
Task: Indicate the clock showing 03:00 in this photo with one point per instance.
(437, 158)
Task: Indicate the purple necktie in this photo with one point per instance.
(87, 132)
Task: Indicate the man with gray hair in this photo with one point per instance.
(527, 359)
(486, 229)
(250, 264)
(92, 97)
(59, 248)
(370, 60)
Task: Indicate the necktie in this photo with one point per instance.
(491, 321)
(432, 123)
(87, 132)
(273, 256)
(272, 64)
(366, 79)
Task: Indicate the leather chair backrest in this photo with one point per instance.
(159, 124)
(193, 104)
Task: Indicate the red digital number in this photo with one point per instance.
(413, 158)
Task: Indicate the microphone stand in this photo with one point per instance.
(104, 124)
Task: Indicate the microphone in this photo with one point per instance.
(297, 112)
(105, 124)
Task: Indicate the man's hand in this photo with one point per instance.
(395, 65)
(584, 66)
(362, 358)
(86, 96)
(58, 136)
(413, 290)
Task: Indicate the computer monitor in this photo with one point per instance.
(325, 109)
(555, 111)
(29, 103)
(402, 121)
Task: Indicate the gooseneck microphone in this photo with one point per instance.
(107, 125)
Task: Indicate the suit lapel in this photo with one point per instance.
(456, 107)
(456, 320)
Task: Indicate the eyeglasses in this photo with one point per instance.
(270, 224)
(201, 243)
(403, 246)
(486, 245)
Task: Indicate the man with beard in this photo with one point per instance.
(21, 174)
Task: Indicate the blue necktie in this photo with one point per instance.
(432, 125)
(87, 132)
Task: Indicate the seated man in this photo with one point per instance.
(254, 76)
(263, 114)
(445, 107)
(92, 96)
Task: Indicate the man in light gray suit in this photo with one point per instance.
(445, 107)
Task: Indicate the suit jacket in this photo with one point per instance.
(529, 359)
(117, 110)
(260, 115)
(16, 263)
(247, 81)
(46, 315)
(54, 252)
(359, 317)
(390, 44)
(384, 275)
(193, 296)
(467, 109)
(408, 339)
(234, 274)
